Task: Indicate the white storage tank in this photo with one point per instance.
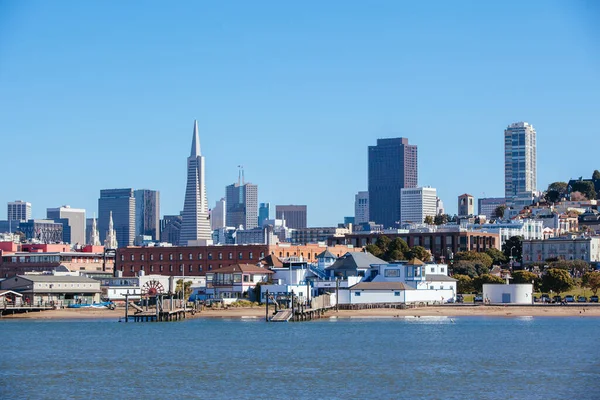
(518, 293)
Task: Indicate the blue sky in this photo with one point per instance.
(103, 94)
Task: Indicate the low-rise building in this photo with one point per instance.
(60, 290)
(440, 241)
(46, 258)
(586, 248)
(197, 260)
(235, 282)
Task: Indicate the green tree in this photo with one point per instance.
(485, 278)
(187, 286)
(464, 268)
(397, 250)
(591, 280)
(464, 283)
(516, 244)
(375, 250)
(570, 265)
(526, 277)
(586, 188)
(498, 257)
(478, 258)
(383, 243)
(556, 191)
(596, 174)
(557, 280)
(429, 220)
(440, 219)
(420, 253)
(499, 211)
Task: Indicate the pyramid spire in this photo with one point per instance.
(195, 141)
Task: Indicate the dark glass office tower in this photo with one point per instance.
(392, 166)
(122, 204)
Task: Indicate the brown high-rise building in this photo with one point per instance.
(295, 216)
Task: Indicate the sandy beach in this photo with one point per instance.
(259, 312)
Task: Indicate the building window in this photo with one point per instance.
(443, 269)
(396, 293)
(357, 293)
(210, 267)
(220, 256)
(170, 267)
(191, 268)
(132, 257)
(432, 269)
(141, 267)
(190, 256)
(262, 254)
(152, 268)
(160, 257)
(160, 268)
(181, 268)
(230, 255)
(246, 278)
(122, 257)
(199, 268)
(250, 256)
(210, 256)
(132, 269)
(180, 256)
(240, 255)
(171, 257)
(151, 257)
(199, 256)
(142, 257)
(431, 287)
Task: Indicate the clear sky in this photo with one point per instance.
(103, 94)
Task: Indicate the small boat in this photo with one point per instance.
(104, 304)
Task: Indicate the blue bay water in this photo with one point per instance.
(432, 358)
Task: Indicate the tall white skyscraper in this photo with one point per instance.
(417, 203)
(195, 226)
(19, 210)
(361, 207)
(520, 168)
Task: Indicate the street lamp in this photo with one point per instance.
(511, 257)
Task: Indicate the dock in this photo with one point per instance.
(166, 310)
(318, 306)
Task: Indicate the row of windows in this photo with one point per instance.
(240, 256)
(191, 256)
(162, 268)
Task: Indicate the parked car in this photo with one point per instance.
(478, 298)
(557, 299)
(582, 299)
(593, 299)
(460, 298)
(545, 298)
(569, 299)
(536, 299)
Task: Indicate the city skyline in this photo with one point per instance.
(319, 86)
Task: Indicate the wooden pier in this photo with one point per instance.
(319, 305)
(165, 311)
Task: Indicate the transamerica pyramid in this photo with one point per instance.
(195, 226)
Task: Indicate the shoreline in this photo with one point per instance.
(259, 312)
